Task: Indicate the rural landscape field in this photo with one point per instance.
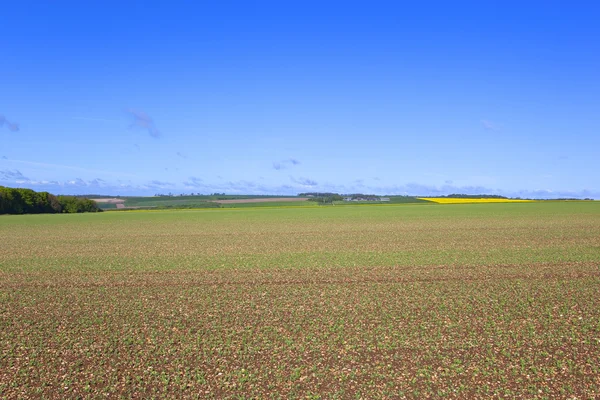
(300, 200)
(388, 301)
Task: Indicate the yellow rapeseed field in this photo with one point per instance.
(447, 200)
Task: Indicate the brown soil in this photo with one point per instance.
(110, 201)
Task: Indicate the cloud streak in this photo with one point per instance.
(304, 181)
(12, 175)
(160, 184)
(194, 182)
(79, 186)
(298, 185)
(285, 164)
(238, 187)
(490, 126)
(143, 121)
(12, 126)
(70, 167)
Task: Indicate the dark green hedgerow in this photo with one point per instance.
(27, 201)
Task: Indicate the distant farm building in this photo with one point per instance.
(366, 198)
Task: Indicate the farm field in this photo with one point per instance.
(454, 200)
(196, 201)
(395, 301)
(228, 201)
(201, 200)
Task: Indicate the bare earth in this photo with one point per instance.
(480, 301)
(261, 200)
(110, 201)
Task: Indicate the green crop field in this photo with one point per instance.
(302, 203)
(381, 301)
(132, 201)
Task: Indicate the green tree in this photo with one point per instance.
(27, 201)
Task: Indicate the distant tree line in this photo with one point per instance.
(27, 201)
(322, 197)
(573, 198)
(361, 196)
(316, 194)
(179, 195)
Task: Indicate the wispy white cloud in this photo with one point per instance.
(77, 182)
(304, 181)
(11, 126)
(557, 194)
(70, 167)
(82, 186)
(12, 175)
(160, 184)
(98, 182)
(284, 164)
(144, 121)
(490, 125)
(237, 187)
(194, 182)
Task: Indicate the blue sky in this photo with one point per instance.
(257, 97)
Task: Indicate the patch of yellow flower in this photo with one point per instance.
(451, 200)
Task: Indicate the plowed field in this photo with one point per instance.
(448, 301)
